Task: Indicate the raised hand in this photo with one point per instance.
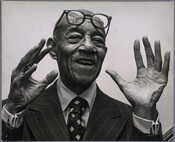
(24, 88)
(144, 92)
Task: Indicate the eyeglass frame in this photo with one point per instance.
(85, 15)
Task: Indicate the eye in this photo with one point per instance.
(74, 38)
(98, 41)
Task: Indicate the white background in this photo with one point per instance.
(25, 23)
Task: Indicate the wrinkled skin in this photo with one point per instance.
(144, 92)
(80, 54)
(24, 89)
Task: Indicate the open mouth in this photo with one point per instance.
(86, 62)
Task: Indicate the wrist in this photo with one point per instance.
(12, 120)
(146, 113)
(13, 108)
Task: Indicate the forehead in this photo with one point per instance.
(76, 16)
(85, 28)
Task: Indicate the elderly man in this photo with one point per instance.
(73, 107)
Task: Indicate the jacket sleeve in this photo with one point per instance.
(11, 134)
(137, 135)
(8, 133)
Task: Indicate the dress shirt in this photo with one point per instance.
(66, 95)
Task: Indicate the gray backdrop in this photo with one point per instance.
(25, 23)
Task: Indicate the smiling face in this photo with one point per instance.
(80, 52)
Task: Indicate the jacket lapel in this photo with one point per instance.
(46, 122)
(45, 119)
(106, 121)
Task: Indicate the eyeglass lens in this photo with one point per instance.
(76, 18)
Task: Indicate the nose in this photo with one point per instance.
(87, 46)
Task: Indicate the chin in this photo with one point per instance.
(83, 80)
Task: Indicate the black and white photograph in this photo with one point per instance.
(87, 71)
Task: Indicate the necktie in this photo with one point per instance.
(77, 107)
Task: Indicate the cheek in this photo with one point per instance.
(64, 59)
(64, 51)
(101, 55)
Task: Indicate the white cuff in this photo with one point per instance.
(147, 126)
(13, 121)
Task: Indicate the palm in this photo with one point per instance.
(23, 95)
(146, 89)
(31, 89)
(144, 92)
(24, 88)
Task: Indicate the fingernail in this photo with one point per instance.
(144, 37)
(137, 41)
(43, 39)
(167, 53)
(42, 42)
(157, 42)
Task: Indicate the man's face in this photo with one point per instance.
(80, 53)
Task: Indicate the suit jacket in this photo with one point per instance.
(109, 120)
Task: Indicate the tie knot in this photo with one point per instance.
(78, 105)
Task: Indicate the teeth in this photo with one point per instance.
(85, 62)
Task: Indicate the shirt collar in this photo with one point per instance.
(66, 95)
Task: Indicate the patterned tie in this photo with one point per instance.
(77, 107)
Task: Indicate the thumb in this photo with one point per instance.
(116, 77)
(50, 77)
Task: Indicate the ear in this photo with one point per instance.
(51, 42)
(106, 49)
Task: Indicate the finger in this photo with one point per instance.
(43, 54)
(13, 75)
(27, 58)
(50, 77)
(39, 58)
(35, 55)
(116, 77)
(148, 51)
(137, 54)
(158, 57)
(29, 72)
(165, 68)
(23, 62)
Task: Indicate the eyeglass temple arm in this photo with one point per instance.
(108, 26)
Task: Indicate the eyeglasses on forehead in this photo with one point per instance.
(76, 17)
